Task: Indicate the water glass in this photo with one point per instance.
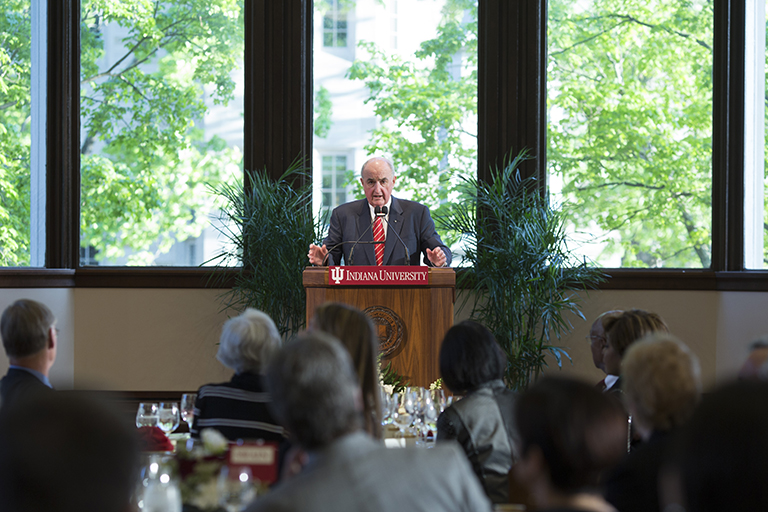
(146, 416)
(235, 488)
(168, 417)
(188, 408)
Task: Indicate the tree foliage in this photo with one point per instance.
(630, 125)
(147, 68)
(427, 107)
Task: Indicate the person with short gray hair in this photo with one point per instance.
(317, 398)
(30, 340)
(239, 408)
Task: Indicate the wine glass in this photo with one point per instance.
(146, 416)
(386, 408)
(235, 488)
(400, 417)
(168, 417)
(188, 408)
(413, 403)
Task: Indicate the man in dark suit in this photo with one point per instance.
(356, 221)
(28, 329)
(316, 396)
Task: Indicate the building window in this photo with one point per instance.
(335, 26)
(334, 181)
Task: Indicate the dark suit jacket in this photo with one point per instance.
(352, 221)
(356, 473)
(18, 384)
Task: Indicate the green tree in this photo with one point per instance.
(427, 107)
(145, 160)
(630, 125)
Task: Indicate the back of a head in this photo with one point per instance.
(248, 341)
(630, 326)
(469, 357)
(723, 455)
(64, 453)
(356, 333)
(314, 390)
(24, 327)
(662, 379)
(579, 430)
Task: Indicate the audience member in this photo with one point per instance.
(239, 408)
(569, 434)
(30, 340)
(623, 330)
(723, 454)
(63, 453)
(472, 364)
(317, 399)
(662, 385)
(597, 342)
(758, 356)
(356, 332)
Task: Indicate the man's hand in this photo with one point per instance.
(317, 254)
(437, 257)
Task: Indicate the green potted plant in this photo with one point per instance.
(268, 226)
(522, 278)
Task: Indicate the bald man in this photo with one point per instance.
(406, 223)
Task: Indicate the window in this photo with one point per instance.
(22, 133)
(335, 175)
(162, 128)
(335, 26)
(630, 129)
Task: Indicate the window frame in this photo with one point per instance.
(278, 127)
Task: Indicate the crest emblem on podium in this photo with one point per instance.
(337, 274)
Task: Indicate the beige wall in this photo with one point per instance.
(153, 339)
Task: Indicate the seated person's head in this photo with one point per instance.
(248, 342)
(754, 366)
(569, 433)
(662, 382)
(314, 389)
(64, 453)
(469, 357)
(27, 327)
(723, 455)
(355, 331)
(625, 329)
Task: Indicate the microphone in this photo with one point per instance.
(379, 211)
(407, 253)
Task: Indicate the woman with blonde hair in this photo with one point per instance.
(356, 332)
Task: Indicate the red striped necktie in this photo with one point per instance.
(378, 236)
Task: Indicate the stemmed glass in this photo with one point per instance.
(168, 417)
(431, 411)
(146, 416)
(401, 419)
(387, 406)
(235, 488)
(413, 403)
(188, 408)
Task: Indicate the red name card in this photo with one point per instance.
(370, 275)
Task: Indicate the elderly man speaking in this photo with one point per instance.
(399, 223)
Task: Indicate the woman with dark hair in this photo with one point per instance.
(569, 434)
(355, 331)
(472, 364)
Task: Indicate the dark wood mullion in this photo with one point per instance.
(728, 136)
(278, 83)
(512, 84)
(63, 135)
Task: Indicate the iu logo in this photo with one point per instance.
(337, 274)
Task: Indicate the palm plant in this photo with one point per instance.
(268, 225)
(522, 278)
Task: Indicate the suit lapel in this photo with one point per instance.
(364, 253)
(395, 224)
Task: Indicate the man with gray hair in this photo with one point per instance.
(400, 224)
(317, 398)
(30, 340)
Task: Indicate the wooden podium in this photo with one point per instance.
(411, 319)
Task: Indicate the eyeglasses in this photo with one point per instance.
(595, 338)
